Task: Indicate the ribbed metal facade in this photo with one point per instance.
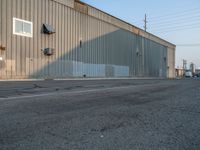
(83, 45)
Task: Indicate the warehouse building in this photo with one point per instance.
(67, 38)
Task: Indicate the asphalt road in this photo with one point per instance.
(100, 115)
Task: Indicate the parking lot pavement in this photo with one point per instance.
(100, 115)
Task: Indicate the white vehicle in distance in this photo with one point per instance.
(188, 74)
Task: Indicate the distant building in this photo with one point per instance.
(180, 72)
(192, 68)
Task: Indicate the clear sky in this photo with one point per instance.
(177, 21)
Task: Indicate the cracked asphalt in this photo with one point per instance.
(100, 115)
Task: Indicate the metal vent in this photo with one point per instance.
(48, 51)
(48, 29)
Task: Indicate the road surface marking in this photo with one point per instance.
(71, 92)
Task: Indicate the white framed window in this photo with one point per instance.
(22, 27)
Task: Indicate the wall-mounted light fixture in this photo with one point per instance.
(2, 47)
(48, 51)
(137, 53)
(80, 42)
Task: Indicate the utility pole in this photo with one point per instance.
(145, 22)
(184, 65)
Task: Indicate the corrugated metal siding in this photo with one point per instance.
(106, 50)
(107, 18)
(171, 63)
(69, 3)
(2, 63)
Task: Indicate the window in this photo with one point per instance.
(22, 27)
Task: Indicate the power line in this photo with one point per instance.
(180, 22)
(175, 19)
(177, 22)
(188, 45)
(175, 16)
(178, 26)
(171, 15)
(174, 24)
(177, 29)
(175, 13)
(180, 29)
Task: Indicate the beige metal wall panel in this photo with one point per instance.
(2, 62)
(107, 18)
(81, 7)
(171, 63)
(69, 3)
(4, 36)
